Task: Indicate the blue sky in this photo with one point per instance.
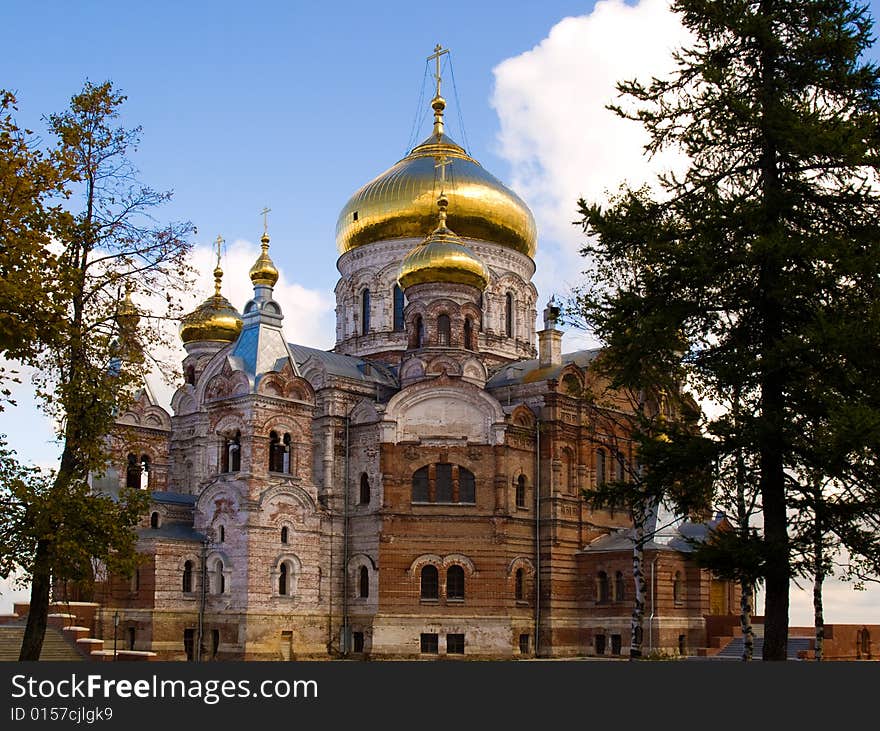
(296, 105)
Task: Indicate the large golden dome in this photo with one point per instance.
(442, 258)
(400, 203)
(215, 320)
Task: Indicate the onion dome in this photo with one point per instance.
(263, 272)
(127, 315)
(442, 257)
(399, 203)
(214, 320)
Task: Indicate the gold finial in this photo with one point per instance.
(438, 103)
(442, 201)
(218, 272)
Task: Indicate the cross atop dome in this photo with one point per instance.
(438, 103)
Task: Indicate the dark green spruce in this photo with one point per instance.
(757, 270)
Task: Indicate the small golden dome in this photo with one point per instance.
(399, 203)
(442, 258)
(215, 320)
(126, 313)
(263, 271)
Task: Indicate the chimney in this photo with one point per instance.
(550, 339)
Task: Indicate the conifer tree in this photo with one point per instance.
(763, 256)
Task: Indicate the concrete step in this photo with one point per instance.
(55, 647)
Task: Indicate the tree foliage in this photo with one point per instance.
(108, 250)
(757, 270)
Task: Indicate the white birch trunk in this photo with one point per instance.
(745, 618)
(638, 615)
(818, 612)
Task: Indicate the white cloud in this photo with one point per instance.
(563, 144)
(561, 141)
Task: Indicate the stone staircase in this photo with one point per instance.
(798, 648)
(55, 645)
(64, 639)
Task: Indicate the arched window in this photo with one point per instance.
(190, 375)
(430, 583)
(521, 491)
(508, 314)
(518, 591)
(133, 472)
(145, 472)
(468, 334)
(619, 587)
(443, 483)
(365, 489)
(188, 577)
(282, 580)
(363, 583)
(397, 296)
(619, 466)
(467, 486)
(455, 582)
(231, 456)
(420, 492)
(451, 484)
(601, 474)
(418, 332)
(154, 520)
(444, 330)
(365, 312)
(284, 534)
(603, 593)
(274, 449)
(677, 593)
(220, 583)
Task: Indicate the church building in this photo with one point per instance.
(413, 492)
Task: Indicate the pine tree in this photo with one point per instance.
(763, 255)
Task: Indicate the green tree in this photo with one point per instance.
(763, 254)
(108, 244)
(30, 181)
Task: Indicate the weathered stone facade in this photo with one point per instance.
(413, 493)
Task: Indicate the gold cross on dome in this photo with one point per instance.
(265, 214)
(220, 241)
(441, 163)
(438, 52)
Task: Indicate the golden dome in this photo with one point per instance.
(214, 320)
(400, 203)
(263, 271)
(442, 258)
(126, 313)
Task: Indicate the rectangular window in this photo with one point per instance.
(443, 483)
(189, 637)
(524, 644)
(430, 643)
(357, 641)
(455, 644)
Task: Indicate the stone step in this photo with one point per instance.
(55, 647)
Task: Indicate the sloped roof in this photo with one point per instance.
(345, 366)
(530, 371)
(172, 498)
